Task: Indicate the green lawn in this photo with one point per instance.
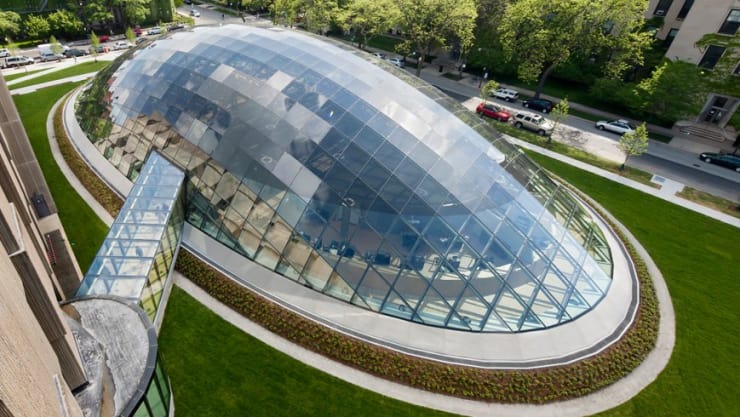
(218, 371)
(78, 69)
(11, 77)
(699, 259)
(84, 229)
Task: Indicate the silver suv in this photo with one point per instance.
(505, 94)
(534, 122)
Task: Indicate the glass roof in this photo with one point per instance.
(355, 178)
(128, 252)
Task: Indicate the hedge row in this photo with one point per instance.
(94, 185)
(504, 386)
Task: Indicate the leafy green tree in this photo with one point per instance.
(430, 24)
(320, 13)
(369, 18)
(633, 143)
(488, 89)
(675, 90)
(130, 35)
(10, 24)
(97, 11)
(558, 114)
(284, 11)
(134, 11)
(13, 47)
(65, 23)
(55, 46)
(541, 35)
(36, 27)
(95, 42)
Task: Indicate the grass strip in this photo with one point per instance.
(11, 77)
(216, 370)
(83, 68)
(84, 230)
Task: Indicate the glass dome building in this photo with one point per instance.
(353, 178)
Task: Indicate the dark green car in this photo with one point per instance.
(722, 159)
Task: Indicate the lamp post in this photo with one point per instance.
(485, 77)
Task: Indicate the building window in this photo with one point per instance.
(685, 9)
(731, 23)
(737, 69)
(662, 8)
(670, 37)
(711, 56)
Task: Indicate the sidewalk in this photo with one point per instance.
(468, 87)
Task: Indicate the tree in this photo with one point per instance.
(134, 11)
(488, 89)
(95, 42)
(369, 18)
(558, 114)
(55, 46)
(130, 35)
(319, 14)
(430, 24)
(633, 143)
(659, 93)
(541, 35)
(285, 11)
(65, 23)
(36, 27)
(10, 24)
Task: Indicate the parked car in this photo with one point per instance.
(138, 31)
(103, 38)
(539, 104)
(396, 61)
(493, 111)
(616, 126)
(379, 55)
(75, 52)
(505, 94)
(176, 26)
(4, 52)
(156, 30)
(100, 49)
(534, 122)
(118, 45)
(50, 57)
(194, 13)
(722, 159)
(17, 61)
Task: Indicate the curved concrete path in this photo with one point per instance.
(602, 400)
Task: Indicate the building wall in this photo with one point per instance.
(705, 17)
(39, 364)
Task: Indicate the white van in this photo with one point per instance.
(17, 61)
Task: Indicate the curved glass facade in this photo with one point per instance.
(352, 178)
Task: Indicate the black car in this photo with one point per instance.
(539, 104)
(722, 159)
(69, 53)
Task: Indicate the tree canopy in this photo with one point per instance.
(540, 35)
(429, 24)
(10, 24)
(369, 18)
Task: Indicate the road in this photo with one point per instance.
(661, 159)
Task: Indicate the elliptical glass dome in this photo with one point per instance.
(351, 177)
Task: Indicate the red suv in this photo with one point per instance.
(493, 111)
